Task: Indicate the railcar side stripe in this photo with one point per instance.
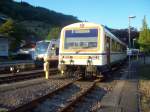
(92, 53)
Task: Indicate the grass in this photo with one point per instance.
(144, 73)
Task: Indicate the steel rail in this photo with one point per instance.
(78, 98)
(29, 106)
(25, 75)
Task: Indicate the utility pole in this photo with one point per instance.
(129, 45)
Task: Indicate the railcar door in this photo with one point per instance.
(108, 50)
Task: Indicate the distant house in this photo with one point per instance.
(4, 46)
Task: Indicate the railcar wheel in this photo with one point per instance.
(100, 76)
(88, 75)
(69, 73)
(78, 74)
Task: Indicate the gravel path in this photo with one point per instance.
(28, 92)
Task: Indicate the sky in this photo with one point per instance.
(112, 13)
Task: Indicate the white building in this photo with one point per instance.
(4, 46)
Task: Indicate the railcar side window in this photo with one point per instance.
(107, 42)
(116, 47)
(113, 47)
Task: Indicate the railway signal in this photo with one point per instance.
(46, 68)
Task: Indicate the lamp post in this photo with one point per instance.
(134, 42)
(129, 44)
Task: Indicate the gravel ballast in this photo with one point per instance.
(13, 98)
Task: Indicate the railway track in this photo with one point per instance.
(90, 101)
(60, 99)
(70, 106)
(20, 65)
(68, 98)
(16, 94)
(8, 78)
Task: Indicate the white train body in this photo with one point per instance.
(46, 48)
(89, 43)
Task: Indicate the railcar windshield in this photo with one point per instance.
(41, 47)
(81, 39)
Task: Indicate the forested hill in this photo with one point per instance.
(123, 33)
(37, 21)
(23, 11)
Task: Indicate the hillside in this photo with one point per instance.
(123, 34)
(38, 28)
(36, 19)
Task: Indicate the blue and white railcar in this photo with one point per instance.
(46, 48)
(88, 47)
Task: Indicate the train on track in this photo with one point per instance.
(43, 49)
(87, 48)
(47, 49)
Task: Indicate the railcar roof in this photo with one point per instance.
(114, 37)
(86, 24)
(89, 24)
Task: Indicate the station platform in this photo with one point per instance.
(125, 96)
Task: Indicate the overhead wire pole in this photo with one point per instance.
(129, 44)
(134, 43)
(129, 35)
(130, 17)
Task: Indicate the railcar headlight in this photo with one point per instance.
(62, 61)
(89, 61)
(53, 48)
(71, 60)
(12, 68)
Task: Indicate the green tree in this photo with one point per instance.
(54, 33)
(7, 28)
(144, 37)
(14, 32)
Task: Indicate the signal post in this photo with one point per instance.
(46, 68)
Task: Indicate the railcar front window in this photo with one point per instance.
(42, 47)
(81, 39)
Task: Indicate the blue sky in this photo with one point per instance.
(112, 13)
